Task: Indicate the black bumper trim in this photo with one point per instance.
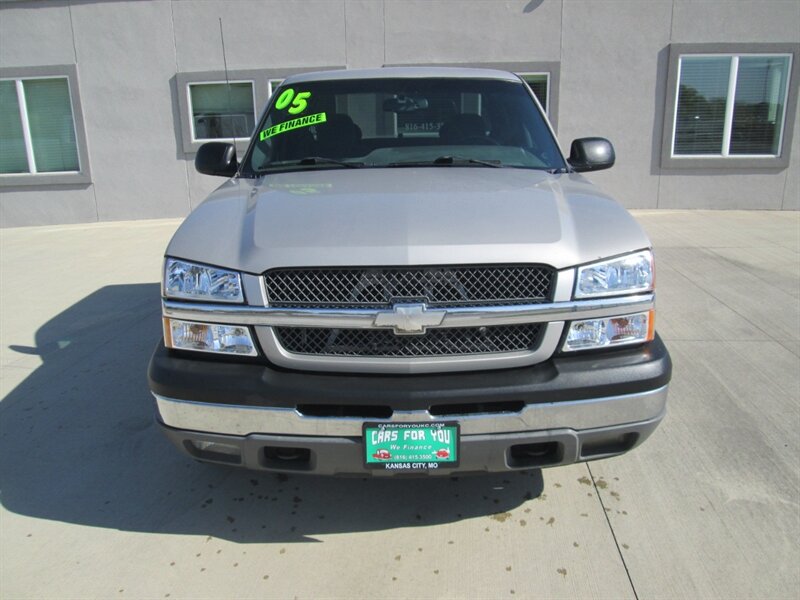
(562, 378)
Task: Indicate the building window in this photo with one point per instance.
(731, 105)
(272, 85)
(539, 84)
(222, 110)
(42, 135)
(37, 127)
(727, 105)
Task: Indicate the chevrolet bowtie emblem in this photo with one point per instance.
(410, 319)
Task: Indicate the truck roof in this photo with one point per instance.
(403, 72)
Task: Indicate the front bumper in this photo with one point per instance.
(570, 408)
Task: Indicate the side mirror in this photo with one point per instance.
(591, 154)
(216, 158)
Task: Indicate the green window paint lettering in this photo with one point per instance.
(284, 99)
(298, 103)
(292, 124)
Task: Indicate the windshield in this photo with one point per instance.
(397, 122)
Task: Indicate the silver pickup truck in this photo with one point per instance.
(404, 274)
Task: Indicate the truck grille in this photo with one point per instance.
(368, 287)
(384, 343)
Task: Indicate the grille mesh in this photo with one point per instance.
(384, 343)
(437, 286)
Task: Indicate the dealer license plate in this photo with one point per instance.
(411, 446)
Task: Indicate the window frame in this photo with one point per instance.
(726, 160)
(524, 74)
(83, 174)
(273, 83)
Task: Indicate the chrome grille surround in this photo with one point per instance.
(265, 320)
(446, 341)
(436, 286)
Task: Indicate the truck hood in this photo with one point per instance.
(405, 216)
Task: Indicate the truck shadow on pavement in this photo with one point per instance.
(78, 444)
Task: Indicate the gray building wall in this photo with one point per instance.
(613, 57)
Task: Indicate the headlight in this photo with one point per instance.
(209, 337)
(623, 275)
(198, 282)
(608, 332)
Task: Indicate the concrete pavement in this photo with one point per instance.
(96, 504)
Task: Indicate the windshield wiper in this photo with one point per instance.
(321, 160)
(449, 160)
(309, 161)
